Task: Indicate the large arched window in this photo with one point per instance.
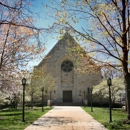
(67, 66)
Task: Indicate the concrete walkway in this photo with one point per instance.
(66, 118)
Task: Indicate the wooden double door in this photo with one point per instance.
(67, 96)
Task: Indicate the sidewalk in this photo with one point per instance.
(66, 118)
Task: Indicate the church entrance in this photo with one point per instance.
(67, 96)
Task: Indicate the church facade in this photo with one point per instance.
(68, 86)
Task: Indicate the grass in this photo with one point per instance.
(12, 119)
(118, 118)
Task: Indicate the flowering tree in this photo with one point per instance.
(10, 89)
(101, 90)
(39, 79)
(20, 40)
(103, 27)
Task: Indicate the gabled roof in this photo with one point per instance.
(65, 38)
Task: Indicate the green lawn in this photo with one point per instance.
(12, 119)
(102, 116)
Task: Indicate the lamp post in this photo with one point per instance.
(91, 99)
(109, 83)
(23, 83)
(50, 98)
(42, 98)
(84, 98)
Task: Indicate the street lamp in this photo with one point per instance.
(109, 83)
(84, 98)
(42, 98)
(50, 98)
(91, 99)
(23, 83)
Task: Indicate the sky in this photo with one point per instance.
(43, 21)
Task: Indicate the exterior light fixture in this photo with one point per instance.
(109, 83)
(23, 113)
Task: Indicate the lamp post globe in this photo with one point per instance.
(23, 81)
(42, 88)
(109, 82)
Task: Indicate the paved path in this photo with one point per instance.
(66, 118)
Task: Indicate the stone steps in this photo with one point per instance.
(67, 104)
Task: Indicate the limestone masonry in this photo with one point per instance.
(69, 86)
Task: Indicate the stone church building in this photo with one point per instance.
(69, 86)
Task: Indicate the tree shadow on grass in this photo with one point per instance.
(12, 113)
(10, 110)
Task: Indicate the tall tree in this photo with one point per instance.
(103, 25)
(20, 38)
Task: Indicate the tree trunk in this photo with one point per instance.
(125, 55)
(127, 81)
